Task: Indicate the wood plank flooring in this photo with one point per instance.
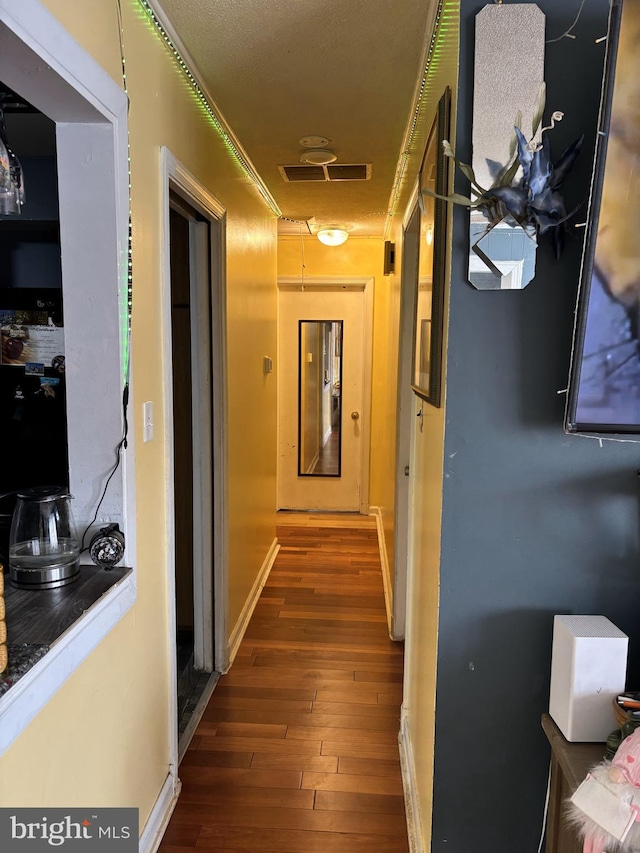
(329, 457)
(297, 750)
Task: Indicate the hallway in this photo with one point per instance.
(329, 458)
(297, 749)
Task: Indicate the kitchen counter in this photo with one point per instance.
(22, 656)
(37, 618)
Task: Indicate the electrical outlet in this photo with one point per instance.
(148, 421)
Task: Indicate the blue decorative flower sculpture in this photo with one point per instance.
(534, 200)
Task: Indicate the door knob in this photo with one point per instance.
(355, 415)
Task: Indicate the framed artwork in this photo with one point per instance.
(604, 385)
(429, 299)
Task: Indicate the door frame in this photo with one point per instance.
(405, 415)
(178, 179)
(365, 284)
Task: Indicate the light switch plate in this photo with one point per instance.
(148, 421)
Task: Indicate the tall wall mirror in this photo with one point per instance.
(319, 398)
(509, 70)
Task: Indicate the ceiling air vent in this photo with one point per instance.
(338, 172)
(302, 173)
(330, 172)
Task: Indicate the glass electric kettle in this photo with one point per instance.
(44, 551)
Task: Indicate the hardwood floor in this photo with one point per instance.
(297, 750)
(329, 457)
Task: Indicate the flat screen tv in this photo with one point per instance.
(604, 386)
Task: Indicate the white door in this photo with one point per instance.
(324, 378)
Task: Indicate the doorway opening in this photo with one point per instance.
(192, 677)
(192, 238)
(195, 444)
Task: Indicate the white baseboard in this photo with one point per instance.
(160, 815)
(386, 571)
(411, 802)
(250, 605)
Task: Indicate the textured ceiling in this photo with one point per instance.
(283, 69)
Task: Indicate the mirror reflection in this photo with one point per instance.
(509, 59)
(319, 398)
(502, 257)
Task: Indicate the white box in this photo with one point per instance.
(588, 669)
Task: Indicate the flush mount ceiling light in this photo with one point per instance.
(332, 235)
(318, 156)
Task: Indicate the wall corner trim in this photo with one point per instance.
(158, 820)
(410, 787)
(387, 585)
(250, 605)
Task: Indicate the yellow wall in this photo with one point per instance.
(426, 505)
(362, 257)
(104, 738)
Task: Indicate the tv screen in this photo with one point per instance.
(604, 387)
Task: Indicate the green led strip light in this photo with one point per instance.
(125, 336)
(217, 123)
(432, 56)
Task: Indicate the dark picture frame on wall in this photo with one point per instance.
(604, 384)
(428, 334)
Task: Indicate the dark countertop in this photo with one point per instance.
(37, 618)
(22, 656)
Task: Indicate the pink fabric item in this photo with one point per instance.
(621, 779)
(592, 845)
(627, 760)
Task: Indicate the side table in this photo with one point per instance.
(570, 763)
